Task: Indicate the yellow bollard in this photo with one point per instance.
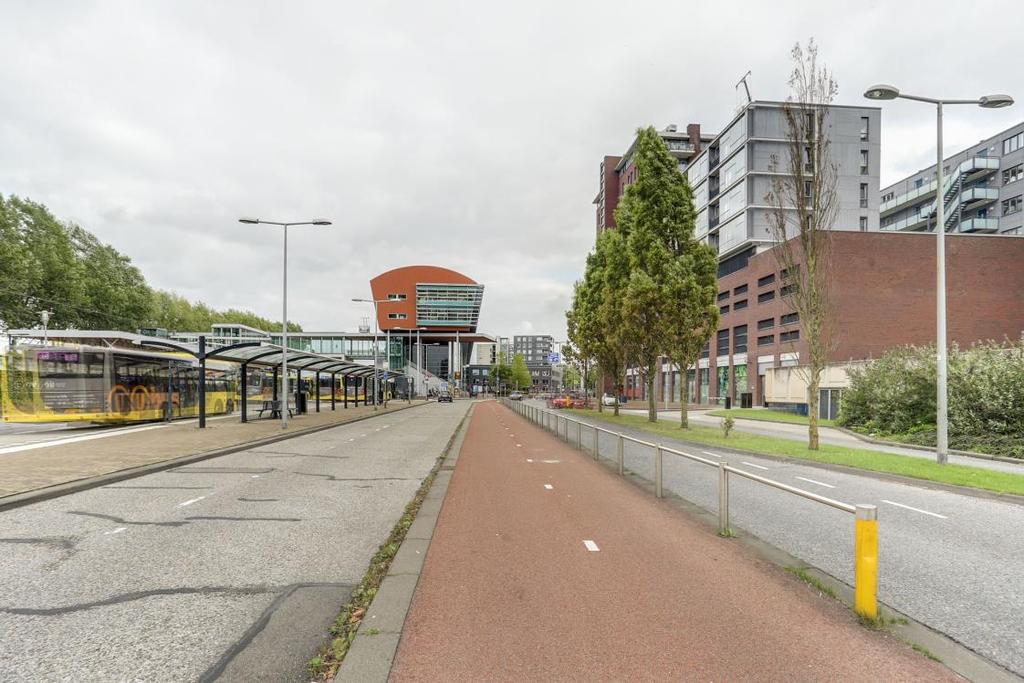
(865, 571)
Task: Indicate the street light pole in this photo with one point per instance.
(45, 315)
(888, 92)
(284, 304)
(376, 330)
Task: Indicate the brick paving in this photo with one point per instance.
(39, 468)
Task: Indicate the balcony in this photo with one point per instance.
(973, 169)
(979, 225)
(681, 149)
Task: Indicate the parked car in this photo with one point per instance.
(516, 396)
(444, 397)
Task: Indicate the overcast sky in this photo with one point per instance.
(460, 134)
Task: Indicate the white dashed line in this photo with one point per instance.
(255, 476)
(753, 465)
(923, 512)
(362, 435)
(713, 455)
(189, 502)
(519, 445)
(591, 546)
(551, 462)
(529, 460)
(115, 531)
(815, 481)
(548, 486)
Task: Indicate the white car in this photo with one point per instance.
(608, 400)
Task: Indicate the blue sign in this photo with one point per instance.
(554, 358)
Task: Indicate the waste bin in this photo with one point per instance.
(728, 402)
(300, 403)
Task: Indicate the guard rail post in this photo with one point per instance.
(597, 443)
(865, 573)
(579, 435)
(622, 466)
(657, 471)
(723, 499)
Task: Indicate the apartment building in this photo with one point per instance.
(535, 348)
(619, 172)
(732, 176)
(982, 192)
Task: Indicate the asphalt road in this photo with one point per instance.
(949, 560)
(231, 569)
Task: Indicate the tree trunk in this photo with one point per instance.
(652, 406)
(684, 400)
(600, 400)
(812, 407)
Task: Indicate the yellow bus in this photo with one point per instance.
(108, 385)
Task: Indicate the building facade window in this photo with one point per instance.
(766, 340)
(739, 339)
(722, 346)
(722, 310)
(1013, 174)
(1014, 143)
(766, 324)
(739, 305)
(863, 223)
(766, 280)
(789, 319)
(742, 289)
(1012, 205)
(722, 296)
(864, 162)
(706, 351)
(397, 316)
(888, 196)
(723, 382)
(765, 296)
(396, 297)
(865, 124)
(786, 290)
(791, 336)
(863, 195)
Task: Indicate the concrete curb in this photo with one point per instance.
(952, 654)
(370, 657)
(29, 497)
(929, 449)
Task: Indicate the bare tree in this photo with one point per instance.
(804, 205)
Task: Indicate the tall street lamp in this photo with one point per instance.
(889, 92)
(376, 329)
(284, 302)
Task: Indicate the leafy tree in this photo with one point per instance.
(667, 310)
(501, 372)
(520, 375)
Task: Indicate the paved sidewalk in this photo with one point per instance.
(94, 452)
(510, 590)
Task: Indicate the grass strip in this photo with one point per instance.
(768, 415)
(875, 461)
(325, 665)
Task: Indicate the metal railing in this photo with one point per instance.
(865, 516)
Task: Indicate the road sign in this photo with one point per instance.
(554, 358)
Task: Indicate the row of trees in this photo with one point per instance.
(47, 264)
(649, 288)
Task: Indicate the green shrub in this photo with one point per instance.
(895, 396)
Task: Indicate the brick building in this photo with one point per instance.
(883, 289)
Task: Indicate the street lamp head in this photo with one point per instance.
(249, 220)
(995, 101)
(321, 221)
(882, 92)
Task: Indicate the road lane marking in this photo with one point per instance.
(115, 531)
(924, 512)
(255, 476)
(519, 445)
(362, 435)
(713, 455)
(189, 502)
(815, 481)
(591, 546)
(529, 460)
(551, 462)
(548, 487)
(753, 465)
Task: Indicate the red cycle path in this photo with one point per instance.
(510, 592)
